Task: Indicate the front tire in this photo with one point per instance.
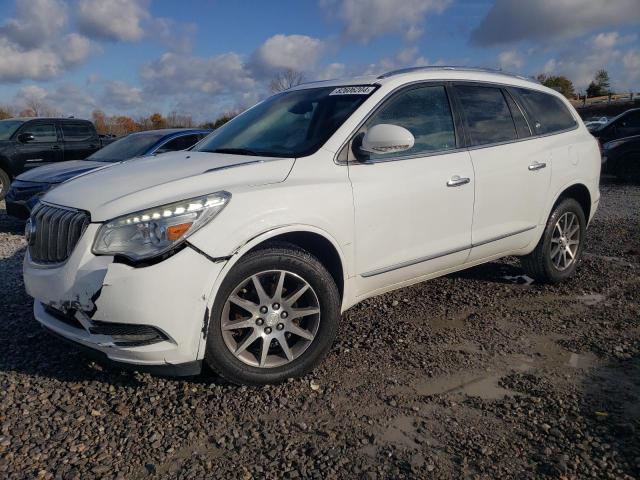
(5, 183)
(559, 251)
(275, 316)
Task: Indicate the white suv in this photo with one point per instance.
(243, 251)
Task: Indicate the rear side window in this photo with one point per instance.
(76, 132)
(425, 112)
(487, 114)
(548, 113)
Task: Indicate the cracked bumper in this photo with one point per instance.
(171, 296)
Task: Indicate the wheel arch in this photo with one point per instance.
(580, 193)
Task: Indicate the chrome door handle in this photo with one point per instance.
(537, 166)
(457, 181)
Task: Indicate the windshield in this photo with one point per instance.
(130, 146)
(289, 124)
(7, 127)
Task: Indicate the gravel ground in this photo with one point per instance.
(481, 374)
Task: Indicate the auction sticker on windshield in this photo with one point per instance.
(354, 90)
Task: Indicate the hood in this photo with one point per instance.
(59, 172)
(152, 181)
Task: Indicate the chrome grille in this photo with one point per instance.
(55, 231)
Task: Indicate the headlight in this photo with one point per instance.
(154, 231)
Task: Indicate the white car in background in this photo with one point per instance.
(243, 252)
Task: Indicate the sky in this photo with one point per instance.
(207, 57)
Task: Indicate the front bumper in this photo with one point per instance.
(171, 296)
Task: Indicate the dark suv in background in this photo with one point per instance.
(27, 143)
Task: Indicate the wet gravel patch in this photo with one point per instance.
(480, 374)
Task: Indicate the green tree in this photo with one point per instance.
(559, 83)
(601, 84)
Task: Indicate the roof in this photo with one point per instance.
(26, 119)
(430, 73)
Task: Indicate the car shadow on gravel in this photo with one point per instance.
(495, 272)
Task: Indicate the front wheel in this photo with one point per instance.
(275, 316)
(558, 252)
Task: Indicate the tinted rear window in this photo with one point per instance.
(487, 114)
(76, 132)
(547, 113)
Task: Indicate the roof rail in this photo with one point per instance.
(400, 71)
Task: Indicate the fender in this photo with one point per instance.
(347, 298)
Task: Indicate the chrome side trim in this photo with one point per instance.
(495, 239)
(226, 167)
(409, 263)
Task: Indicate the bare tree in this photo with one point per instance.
(286, 79)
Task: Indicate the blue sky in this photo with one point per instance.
(205, 57)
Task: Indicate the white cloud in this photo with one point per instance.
(367, 19)
(546, 20)
(74, 49)
(296, 52)
(36, 22)
(510, 60)
(65, 99)
(121, 95)
(115, 20)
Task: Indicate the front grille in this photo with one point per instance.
(55, 231)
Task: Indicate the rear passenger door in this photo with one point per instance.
(512, 171)
(80, 140)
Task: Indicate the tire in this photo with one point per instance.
(539, 264)
(5, 183)
(267, 264)
(629, 168)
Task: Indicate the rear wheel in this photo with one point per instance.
(275, 316)
(558, 252)
(5, 183)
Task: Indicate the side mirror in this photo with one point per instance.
(26, 137)
(387, 138)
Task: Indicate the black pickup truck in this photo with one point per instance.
(32, 142)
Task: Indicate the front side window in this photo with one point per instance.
(290, 124)
(425, 112)
(487, 114)
(8, 127)
(547, 112)
(132, 145)
(43, 132)
(76, 132)
(179, 143)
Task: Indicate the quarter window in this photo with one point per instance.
(76, 132)
(487, 114)
(425, 112)
(547, 112)
(44, 132)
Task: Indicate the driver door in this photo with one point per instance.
(45, 148)
(413, 210)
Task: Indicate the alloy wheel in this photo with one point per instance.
(270, 318)
(565, 241)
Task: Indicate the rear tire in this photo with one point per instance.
(5, 183)
(557, 254)
(249, 327)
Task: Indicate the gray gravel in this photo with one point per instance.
(478, 375)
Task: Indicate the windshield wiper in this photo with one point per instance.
(239, 151)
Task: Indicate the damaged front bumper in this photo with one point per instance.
(151, 316)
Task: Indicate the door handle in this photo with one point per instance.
(55, 147)
(457, 181)
(537, 166)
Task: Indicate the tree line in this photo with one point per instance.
(599, 86)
